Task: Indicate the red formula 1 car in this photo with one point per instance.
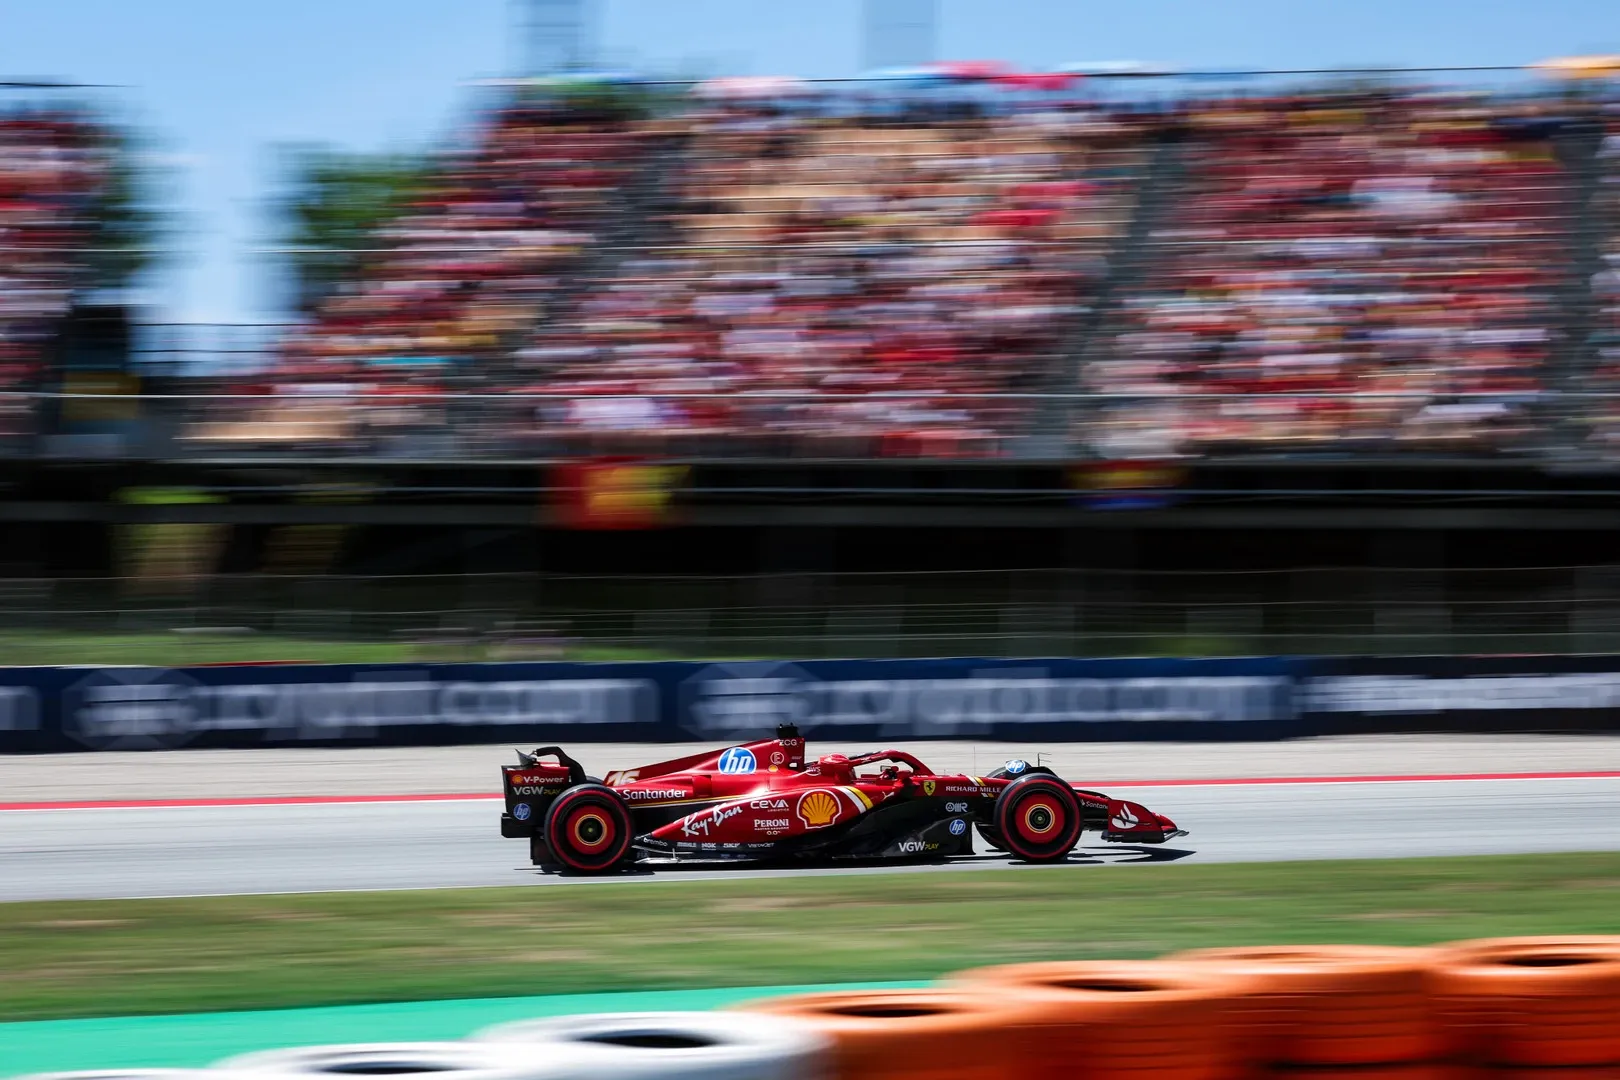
(761, 801)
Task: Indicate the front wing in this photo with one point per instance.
(1121, 821)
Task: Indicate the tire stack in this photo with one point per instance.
(910, 1034)
(1078, 1011)
(1548, 1007)
(612, 1046)
(666, 1046)
(1497, 1009)
(609, 1046)
(441, 1060)
(1325, 1011)
(136, 1074)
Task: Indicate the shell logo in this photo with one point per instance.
(818, 809)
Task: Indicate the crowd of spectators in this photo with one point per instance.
(452, 286)
(1354, 270)
(1605, 343)
(848, 284)
(844, 282)
(1344, 270)
(53, 167)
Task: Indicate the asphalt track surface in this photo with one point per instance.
(461, 769)
(213, 847)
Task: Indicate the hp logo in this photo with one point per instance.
(738, 760)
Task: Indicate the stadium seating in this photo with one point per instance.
(52, 168)
(1605, 413)
(1373, 270)
(852, 272)
(454, 285)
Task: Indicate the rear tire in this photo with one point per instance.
(1037, 819)
(588, 829)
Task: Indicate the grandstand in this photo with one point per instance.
(1346, 324)
(54, 170)
(870, 285)
(1603, 417)
(1372, 270)
(478, 260)
(1389, 262)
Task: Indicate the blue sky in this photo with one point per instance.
(221, 85)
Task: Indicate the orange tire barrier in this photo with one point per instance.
(913, 1034)
(1118, 1019)
(1328, 1004)
(1423, 1071)
(1531, 1001)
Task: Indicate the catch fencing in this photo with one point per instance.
(171, 614)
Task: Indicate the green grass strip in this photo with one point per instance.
(177, 649)
(97, 958)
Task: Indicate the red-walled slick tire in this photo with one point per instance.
(1038, 818)
(588, 829)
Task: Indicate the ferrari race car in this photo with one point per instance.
(762, 802)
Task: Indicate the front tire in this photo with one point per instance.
(1037, 819)
(588, 829)
(987, 831)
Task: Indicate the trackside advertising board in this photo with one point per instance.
(59, 709)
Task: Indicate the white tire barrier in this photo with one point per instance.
(438, 1060)
(671, 1046)
(133, 1074)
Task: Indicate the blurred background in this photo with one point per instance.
(566, 328)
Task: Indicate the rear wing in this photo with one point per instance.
(530, 786)
(576, 771)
